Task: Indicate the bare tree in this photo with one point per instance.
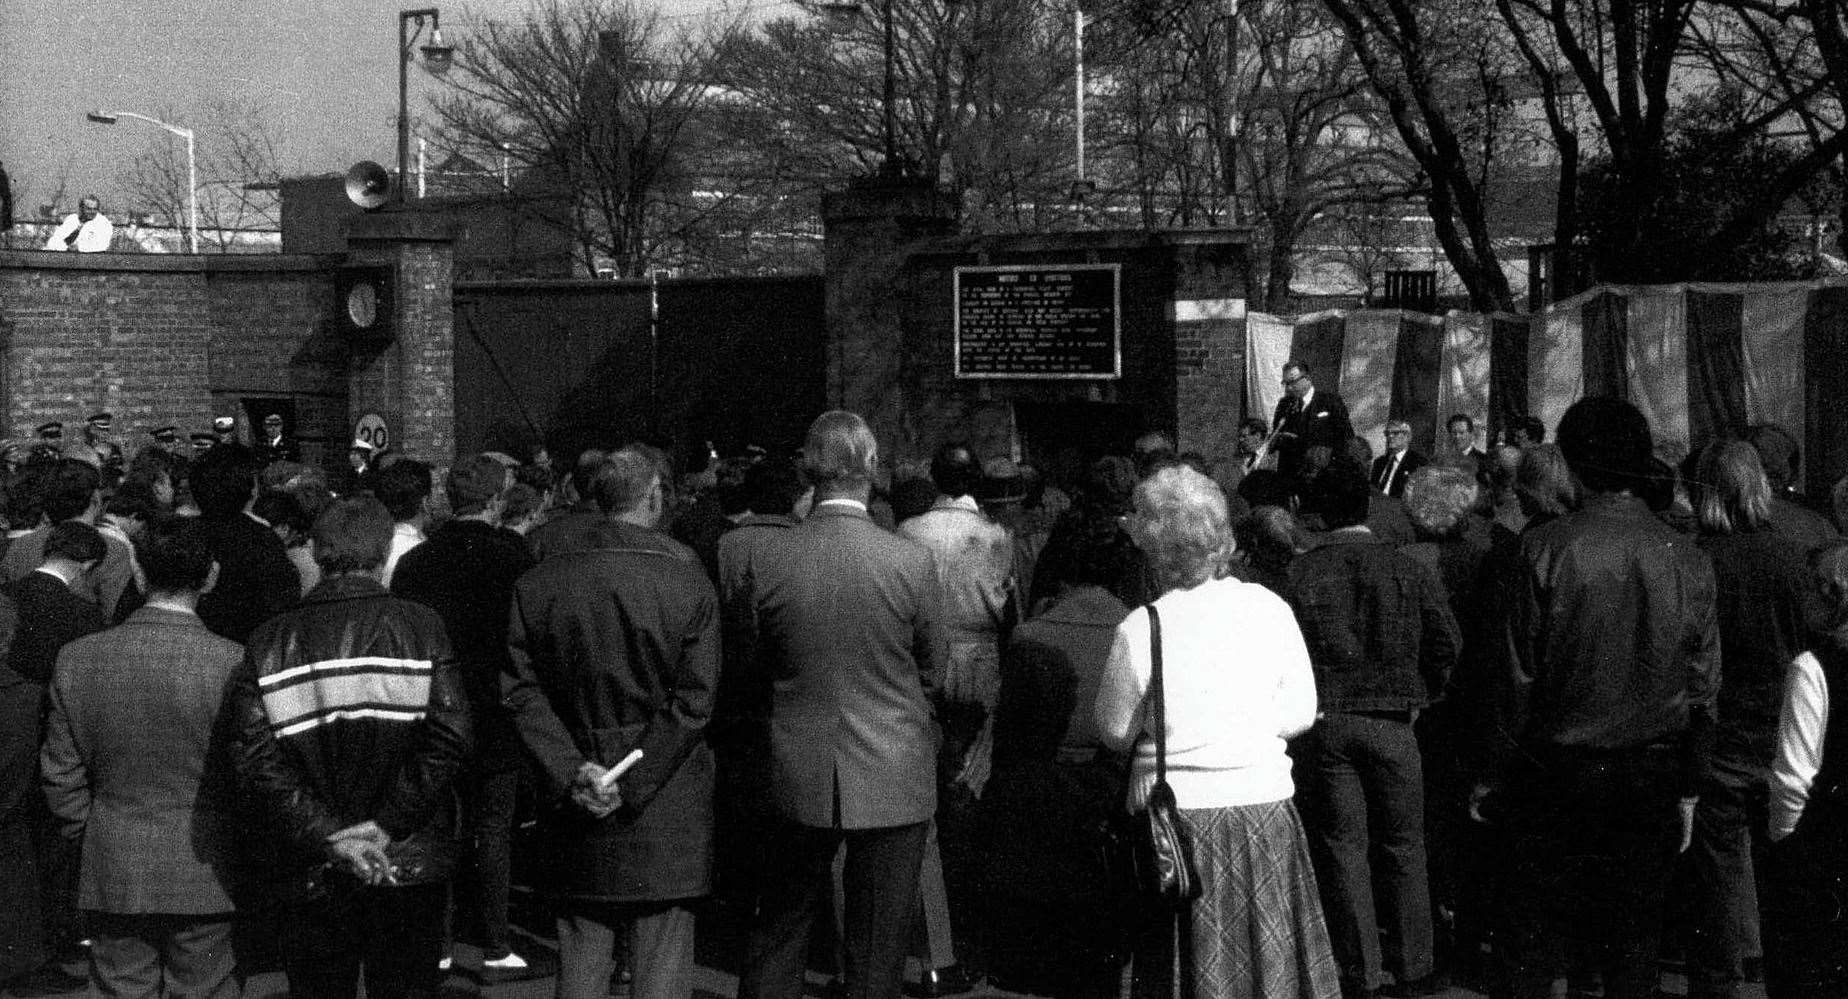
(1313, 140)
(978, 101)
(1442, 68)
(1256, 113)
(236, 146)
(601, 100)
(1792, 59)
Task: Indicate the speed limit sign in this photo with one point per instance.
(372, 430)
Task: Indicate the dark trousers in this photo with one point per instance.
(151, 956)
(660, 947)
(1366, 829)
(1726, 857)
(22, 930)
(1806, 906)
(394, 934)
(880, 881)
(1594, 836)
(483, 890)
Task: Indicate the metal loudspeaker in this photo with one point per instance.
(368, 185)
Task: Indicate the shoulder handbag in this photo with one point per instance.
(1165, 871)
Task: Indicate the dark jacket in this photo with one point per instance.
(1768, 611)
(617, 648)
(349, 708)
(1412, 462)
(1809, 529)
(1614, 636)
(465, 572)
(570, 531)
(743, 708)
(1377, 623)
(256, 580)
(109, 586)
(1322, 423)
(50, 617)
(285, 449)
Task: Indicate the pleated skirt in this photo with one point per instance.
(1257, 931)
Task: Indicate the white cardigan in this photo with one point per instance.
(1238, 684)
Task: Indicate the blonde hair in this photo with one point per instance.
(1735, 494)
(1180, 523)
(1544, 482)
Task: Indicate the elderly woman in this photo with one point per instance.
(1767, 611)
(1238, 684)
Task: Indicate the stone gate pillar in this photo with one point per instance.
(870, 230)
(410, 379)
(1211, 271)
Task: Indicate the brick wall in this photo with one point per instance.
(411, 380)
(1208, 312)
(161, 340)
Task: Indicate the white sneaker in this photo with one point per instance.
(511, 962)
(444, 964)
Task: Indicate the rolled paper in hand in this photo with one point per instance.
(607, 782)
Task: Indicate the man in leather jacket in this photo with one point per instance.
(352, 726)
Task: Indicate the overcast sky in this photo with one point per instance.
(326, 70)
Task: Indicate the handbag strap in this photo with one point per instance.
(1157, 697)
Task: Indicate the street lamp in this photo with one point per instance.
(1081, 187)
(839, 11)
(437, 59)
(192, 168)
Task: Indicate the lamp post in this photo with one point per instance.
(890, 168)
(437, 59)
(192, 167)
(843, 10)
(1081, 187)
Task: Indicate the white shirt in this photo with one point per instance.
(404, 537)
(1804, 720)
(1238, 683)
(92, 236)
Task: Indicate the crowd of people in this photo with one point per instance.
(1500, 716)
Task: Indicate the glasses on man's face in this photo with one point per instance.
(1398, 433)
(1288, 382)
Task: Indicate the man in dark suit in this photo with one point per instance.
(275, 445)
(1463, 450)
(256, 580)
(1306, 418)
(137, 765)
(50, 616)
(616, 649)
(845, 614)
(465, 572)
(1390, 470)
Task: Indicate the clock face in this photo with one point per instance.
(362, 304)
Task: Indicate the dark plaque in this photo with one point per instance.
(1036, 321)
